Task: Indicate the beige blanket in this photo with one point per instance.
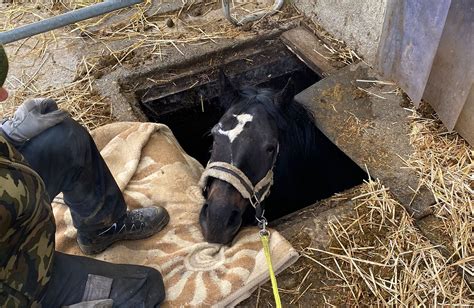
(152, 169)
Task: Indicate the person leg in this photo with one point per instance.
(31, 271)
(131, 285)
(67, 159)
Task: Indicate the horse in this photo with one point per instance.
(266, 140)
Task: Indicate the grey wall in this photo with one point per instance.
(357, 22)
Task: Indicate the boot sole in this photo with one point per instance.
(98, 248)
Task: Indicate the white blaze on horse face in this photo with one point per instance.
(233, 133)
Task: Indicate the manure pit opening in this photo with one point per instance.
(188, 103)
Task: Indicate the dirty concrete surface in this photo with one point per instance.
(127, 42)
(358, 23)
(367, 121)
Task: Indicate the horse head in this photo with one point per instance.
(245, 149)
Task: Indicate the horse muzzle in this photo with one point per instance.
(221, 216)
(227, 199)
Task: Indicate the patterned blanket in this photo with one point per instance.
(152, 169)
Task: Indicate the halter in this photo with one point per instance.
(255, 194)
(234, 176)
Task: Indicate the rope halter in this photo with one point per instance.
(234, 176)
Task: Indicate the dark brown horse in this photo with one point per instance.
(261, 131)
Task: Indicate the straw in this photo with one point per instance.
(445, 164)
(381, 259)
(79, 98)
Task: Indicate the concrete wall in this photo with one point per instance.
(357, 22)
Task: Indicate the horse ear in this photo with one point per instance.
(227, 92)
(285, 96)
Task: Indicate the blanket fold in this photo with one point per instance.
(151, 168)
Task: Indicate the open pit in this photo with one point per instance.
(188, 101)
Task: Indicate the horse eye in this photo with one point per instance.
(270, 149)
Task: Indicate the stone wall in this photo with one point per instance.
(357, 22)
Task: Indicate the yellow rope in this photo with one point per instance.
(266, 250)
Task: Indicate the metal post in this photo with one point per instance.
(64, 20)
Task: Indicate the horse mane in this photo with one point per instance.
(299, 142)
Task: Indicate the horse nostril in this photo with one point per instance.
(205, 208)
(204, 211)
(235, 219)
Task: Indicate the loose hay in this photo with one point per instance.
(445, 164)
(379, 258)
(79, 98)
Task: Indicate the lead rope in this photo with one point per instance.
(265, 238)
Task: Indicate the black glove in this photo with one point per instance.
(33, 117)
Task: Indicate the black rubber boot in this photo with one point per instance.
(136, 224)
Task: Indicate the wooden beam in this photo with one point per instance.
(309, 49)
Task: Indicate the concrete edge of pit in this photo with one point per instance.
(125, 106)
